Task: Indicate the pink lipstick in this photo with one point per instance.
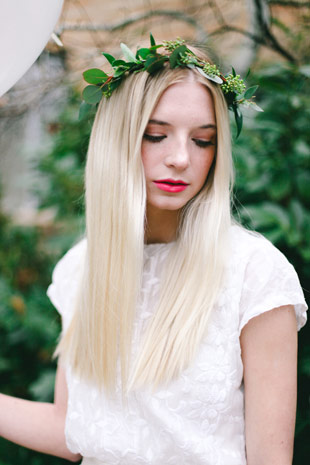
(171, 185)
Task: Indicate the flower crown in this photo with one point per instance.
(177, 55)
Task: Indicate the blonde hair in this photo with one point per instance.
(98, 341)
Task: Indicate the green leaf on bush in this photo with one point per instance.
(268, 214)
(42, 389)
(281, 185)
(84, 110)
(303, 185)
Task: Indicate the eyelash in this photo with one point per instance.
(203, 143)
(199, 142)
(155, 139)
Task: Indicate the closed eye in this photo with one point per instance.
(151, 138)
(203, 143)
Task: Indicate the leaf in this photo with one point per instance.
(152, 40)
(143, 53)
(42, 389)
(250, 92)
(268, 215)
(119, 72)
(303, 183)
(252, 105)
(128, 53)
(216, 79)
(109, 58)
(155, 64)
(233, 72)
(95, 76)
(238, 119)
(173, 59)
(92, 94)
(305, 70)
(119, 63)
(155, 47)
(84, 110)
(150, 60)
(280, 215)
(280, 186)
(115, 83)
(298, 214)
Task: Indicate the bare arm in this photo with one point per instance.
(36, 425)
(269, 353)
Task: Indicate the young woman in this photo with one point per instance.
(179, 326)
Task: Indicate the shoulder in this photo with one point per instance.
(65, 280)
(266, 277)
(250, 249)
(72, 258)
(247, 242)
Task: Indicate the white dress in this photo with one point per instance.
(199, 418)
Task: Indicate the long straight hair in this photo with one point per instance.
(98, 341)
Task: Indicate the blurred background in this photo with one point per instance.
(43, 146)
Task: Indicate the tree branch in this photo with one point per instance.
(227, 28)
(289, 3)
(217, 12)
(257, 39)
(178, 15)
(267, 34)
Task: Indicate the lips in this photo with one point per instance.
(171, 185)
(173, 182)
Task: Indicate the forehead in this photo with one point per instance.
(188, 101)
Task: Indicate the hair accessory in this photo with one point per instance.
(177, 55)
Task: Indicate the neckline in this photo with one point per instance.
(158, 244)
(154, 248)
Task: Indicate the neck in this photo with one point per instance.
(161, 225)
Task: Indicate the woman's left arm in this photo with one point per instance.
(269, 354)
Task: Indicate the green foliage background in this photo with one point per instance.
(272, 195)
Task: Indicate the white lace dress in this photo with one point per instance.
(199, 418)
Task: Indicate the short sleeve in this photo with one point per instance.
(270, 281)
(65, 282)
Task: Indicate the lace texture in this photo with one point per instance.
(199, 418)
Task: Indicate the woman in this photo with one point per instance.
(179, 327)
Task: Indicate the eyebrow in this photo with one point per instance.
(164, 123)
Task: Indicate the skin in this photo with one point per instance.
(269, 353)
(24, 422)
(179, 143)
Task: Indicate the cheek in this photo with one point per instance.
(145, 163)
(149, 157)
(203, 169)
(144, 157)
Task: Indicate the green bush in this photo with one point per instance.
(29, 325)
(272, 193)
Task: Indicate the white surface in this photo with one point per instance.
(198, 419)
(25, 28)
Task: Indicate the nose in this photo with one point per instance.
(178, 155)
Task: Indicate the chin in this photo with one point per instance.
(172, 205)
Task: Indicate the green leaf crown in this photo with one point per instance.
(177, 55)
